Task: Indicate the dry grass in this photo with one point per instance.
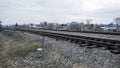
(13, 47)
(18, 49)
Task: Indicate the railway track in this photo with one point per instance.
(90, 42)
(94, 32)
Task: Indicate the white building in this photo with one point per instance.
(117, 21)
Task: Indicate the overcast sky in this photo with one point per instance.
(61, 11)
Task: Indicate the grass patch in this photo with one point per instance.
(16, 47)
(22, 48)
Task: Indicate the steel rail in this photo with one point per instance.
(94, 32)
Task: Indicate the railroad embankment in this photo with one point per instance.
(17, 50)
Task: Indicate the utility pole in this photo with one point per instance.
(40, 50)
(42, 38)
(0, 25)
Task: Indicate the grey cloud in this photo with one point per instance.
(23, 11)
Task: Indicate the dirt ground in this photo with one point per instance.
(4, 45)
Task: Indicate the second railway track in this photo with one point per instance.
(93, 32)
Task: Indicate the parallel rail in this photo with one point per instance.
(94, 32)
(90, 42)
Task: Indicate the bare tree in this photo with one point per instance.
(89, 26)
(88, 21)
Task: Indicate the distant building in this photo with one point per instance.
(61, 26)
(51, 26)
(117, 21)
(108, 27)
(81, 26)
(74, 26)
(44, 25)
(89, 27)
